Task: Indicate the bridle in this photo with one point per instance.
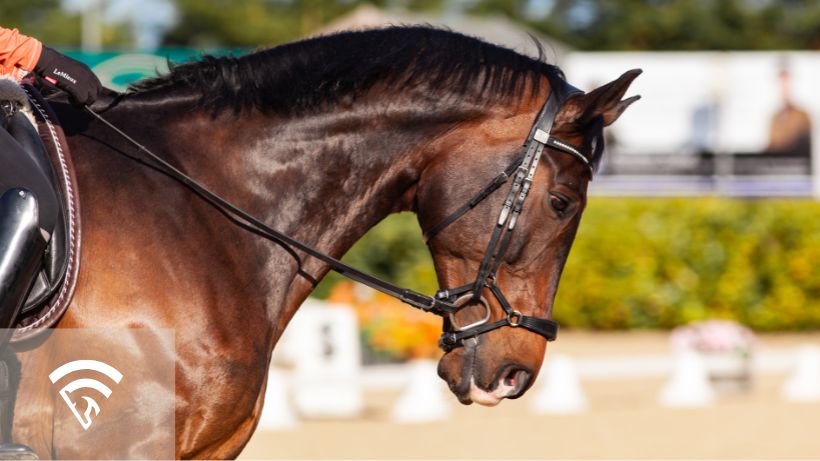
(447, 302)
(523, 169)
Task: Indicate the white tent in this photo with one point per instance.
(493, 29)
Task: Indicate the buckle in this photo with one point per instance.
(448, 339)
(517, 316)
(541, 136)
(423, 302)
(9, 107)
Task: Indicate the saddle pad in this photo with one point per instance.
(34, 320)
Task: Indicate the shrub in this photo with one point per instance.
(658, 263)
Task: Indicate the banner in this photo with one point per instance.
(117, 69)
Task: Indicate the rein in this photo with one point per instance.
(447, 302)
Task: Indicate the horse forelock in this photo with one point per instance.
(309, 75)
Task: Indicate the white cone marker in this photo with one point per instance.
(423, 400)
(804, 384)
(561, 391)
(689, 384)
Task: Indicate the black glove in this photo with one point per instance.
(73, 77)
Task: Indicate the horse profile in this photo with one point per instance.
(321, 139)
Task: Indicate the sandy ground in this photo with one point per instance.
(624, 421)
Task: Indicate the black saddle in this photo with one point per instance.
(56, 279)
(51, 212)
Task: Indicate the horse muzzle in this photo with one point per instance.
(467, 377)
(511, 384)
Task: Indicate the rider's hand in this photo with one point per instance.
(73, 77)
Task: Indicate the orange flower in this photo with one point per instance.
(388, 325)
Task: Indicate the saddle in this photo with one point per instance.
(56, 280)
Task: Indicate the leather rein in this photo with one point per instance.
(446, 302)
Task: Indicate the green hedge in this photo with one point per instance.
(393, 250)
(658, 263)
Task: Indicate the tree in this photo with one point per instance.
(43, 19)
(674, 24)
(251, 22)
(51, 24)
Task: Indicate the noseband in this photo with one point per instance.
(523, 169)
(445, 303)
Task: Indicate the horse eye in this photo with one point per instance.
(559, 204)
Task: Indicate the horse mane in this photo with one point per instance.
(308, 75)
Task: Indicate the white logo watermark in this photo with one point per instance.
(85, 418)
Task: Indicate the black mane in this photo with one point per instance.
(307, 75)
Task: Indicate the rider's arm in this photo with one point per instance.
(18, 53)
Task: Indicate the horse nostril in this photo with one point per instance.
(509, 380)
(518, 379)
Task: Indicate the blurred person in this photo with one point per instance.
(790, 129)
(26, 190)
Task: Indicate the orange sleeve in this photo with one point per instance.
(18, 53)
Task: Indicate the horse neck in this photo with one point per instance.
(324, 179)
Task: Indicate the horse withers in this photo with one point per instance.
(322, 139)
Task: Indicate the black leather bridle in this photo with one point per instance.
(447, 302)
(523, 171)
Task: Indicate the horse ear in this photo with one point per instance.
(604, 101)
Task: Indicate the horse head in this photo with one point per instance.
(499, 251)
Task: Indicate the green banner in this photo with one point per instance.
(117, 69)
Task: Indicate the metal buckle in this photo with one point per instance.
(461, 301)
(514, 314)
(9, 108)
(541, 136)
(432, 304)
(423, 302)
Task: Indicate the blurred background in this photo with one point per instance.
(690, 305)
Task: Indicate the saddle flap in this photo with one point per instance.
(55, 283)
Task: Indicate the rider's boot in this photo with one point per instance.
(9, 382)
(9, 451)
(22, 244)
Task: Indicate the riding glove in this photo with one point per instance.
(73, 77)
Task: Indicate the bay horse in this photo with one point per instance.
(322, 139)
